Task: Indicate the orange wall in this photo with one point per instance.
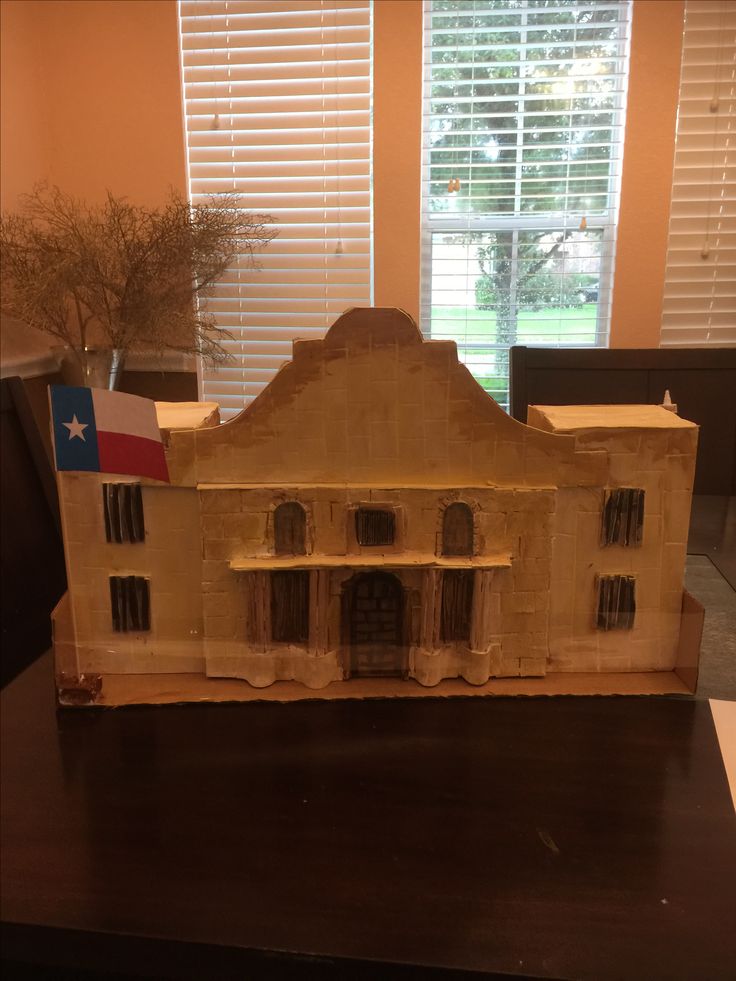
(646, 184)
(91, 100)
(103, 76)
(397, 147)
(23, 120)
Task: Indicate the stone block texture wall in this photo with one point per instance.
(374, 416)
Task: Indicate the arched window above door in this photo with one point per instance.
(290, 529)
(457, 530)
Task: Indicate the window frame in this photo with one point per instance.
(699, 297)
(291, 132)
(470, 223)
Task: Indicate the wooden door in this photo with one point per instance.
(375, 608)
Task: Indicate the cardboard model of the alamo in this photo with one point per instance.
(375, 524)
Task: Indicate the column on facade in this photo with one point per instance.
(480, 622)
(261, 610)
(429, 634)
(319, 608)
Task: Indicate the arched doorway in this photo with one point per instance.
(373, 626)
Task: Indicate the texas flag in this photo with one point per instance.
(107, 432)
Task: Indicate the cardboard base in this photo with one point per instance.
(166, 689)
(163, 689)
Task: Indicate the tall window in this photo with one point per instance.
(277, 102)
(290, 529)
(457, 604)
(700, 281)
(524, 115)
(290, 607)
(457, 529)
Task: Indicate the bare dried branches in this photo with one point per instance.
(133, 276)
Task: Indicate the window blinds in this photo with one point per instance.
(524, 116)
(699, 305)
(277, 103)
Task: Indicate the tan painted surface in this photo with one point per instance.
(170, 689)
(650, 448)
(724, 718)
(187, 415)
(571, 418)
(170, 557)
(374, 416)
(427, 560)
(374, 403)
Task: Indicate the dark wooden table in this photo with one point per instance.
(552, 837)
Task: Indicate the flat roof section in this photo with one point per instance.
(573, 418)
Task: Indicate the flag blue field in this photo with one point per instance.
(106, 432)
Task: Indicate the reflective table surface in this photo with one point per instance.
(550, 837)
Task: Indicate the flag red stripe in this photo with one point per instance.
(121, 453)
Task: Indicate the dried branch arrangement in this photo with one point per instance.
(124, 276)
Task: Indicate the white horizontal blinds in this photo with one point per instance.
(699, 305)
(523, 137)
(277, 99)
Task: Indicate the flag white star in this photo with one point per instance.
(76, 428)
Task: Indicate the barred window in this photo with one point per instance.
(290, 529)
(123, 506)
(457, 530)
(616, 602)
(130, 601)
(374, 526)
(623, 516)
(290, 607)
(457, 604)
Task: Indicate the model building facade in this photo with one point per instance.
(375, 513)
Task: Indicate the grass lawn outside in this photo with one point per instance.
(466, 325)
(475, 334)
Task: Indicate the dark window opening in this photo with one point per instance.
(457, 530)
(375, 527)
(130, 601)
(623, 517)
(290, 529)
(290, 607)
(616, 602)
(123, 505)
(457, 604)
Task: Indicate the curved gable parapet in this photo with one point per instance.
(373, 325)
(375, 402)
